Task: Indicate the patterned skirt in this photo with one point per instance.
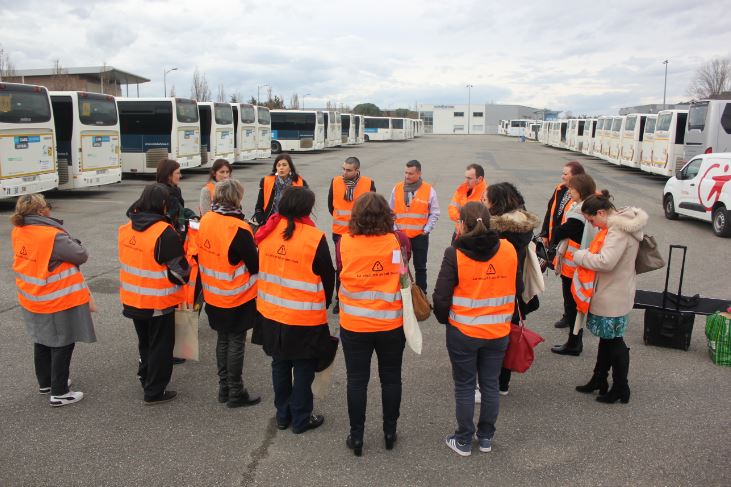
(607, 327)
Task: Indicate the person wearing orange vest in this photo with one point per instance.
(343, 192)
(604, 285)
(475, 297)
(228, 264)
(271, 187)
(573, 231)
(554, 213)
(54, 299)
(220, 171)
(294, 289)
(473, 189)
(153, 273)
(416, 206)
(371, 314)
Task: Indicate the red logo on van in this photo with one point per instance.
(720, 177)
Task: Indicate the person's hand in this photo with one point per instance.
(545, 241)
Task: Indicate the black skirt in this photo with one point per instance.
(232, 320)
(289, 342)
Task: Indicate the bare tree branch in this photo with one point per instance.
(199, 90)
(712, 78)
(7, 67)
(221, 96)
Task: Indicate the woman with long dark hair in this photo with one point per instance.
(220, 171)
(168, 173)
(271, 188)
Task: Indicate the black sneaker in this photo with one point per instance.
(164, 397)
(315, 421)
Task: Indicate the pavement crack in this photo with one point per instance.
(259, 454)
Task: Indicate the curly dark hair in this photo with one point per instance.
(371, 215)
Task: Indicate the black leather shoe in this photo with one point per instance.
(222, 393)
(616, 393)
(355, 445)
(562, 323)
(164, 397)
(595, 383)
(282, 426)
(244, 400)
(573, 346)
(315, 421)
(390, 439)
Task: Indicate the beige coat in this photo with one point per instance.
(615, 283)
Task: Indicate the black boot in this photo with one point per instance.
(562, 323)
(222, 392)
(620, 368)
(601, 371)
(354, 444)
(573, 346)
(243, 399)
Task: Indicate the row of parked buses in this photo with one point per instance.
(72, 140)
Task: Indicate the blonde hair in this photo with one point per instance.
(229, 192)
(28, 204)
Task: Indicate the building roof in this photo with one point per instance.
(110, 73)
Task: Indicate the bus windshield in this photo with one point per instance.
(616, 124)
(23, 104)
(663, 121)
(264, 117)
(320, 118)
(247, 114)
(650, 125)
(97, 109)
(397, 123)
(224, 115)
(187, 110)
(697, 116)
(630, 124)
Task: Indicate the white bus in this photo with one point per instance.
(297, 130)
(708, 129)
(589, 136)
(648, 140)
(419, 128)
(359, 129)
(533, 129)
(245, 129)
(398, 130)
(667, 148)
(543, 132)
(154, 129)
(27, 140)
(562, 128)
(377, 128)
(575, 134)
(517, 128)
(263, 133)
(88, 147)
(503, 127)
(347, 124)
(632, 137)
(217, 132)
(615, 140)
(332, 128)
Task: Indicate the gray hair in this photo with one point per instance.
(228, 192)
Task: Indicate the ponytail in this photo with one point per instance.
(475, 218)
(27, 204)
(596, 202)
(289, 231)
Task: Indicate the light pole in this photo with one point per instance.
(257, 92)
(665, 88)
(164, 79)
(303, 100)
(469, 109)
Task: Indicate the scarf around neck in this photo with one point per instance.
(272, 223)
(227, 210)
(350, 185)
(280, 184)
(410, 189)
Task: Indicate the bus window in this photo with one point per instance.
(264, 117)
(726, 118)
(187, 111)
(97, 110)
(224, 115)
(663, 122)
(397, 123)
(320, 118)
(616, 125)
(248, 115)
(376, 123)
(205, 114)
(63, 119)
(697, 116)
(680, 128)
(650, 125)
(631, 122)
(26, 104)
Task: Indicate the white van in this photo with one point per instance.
(702, 190)
(708, 129)
(648, 141)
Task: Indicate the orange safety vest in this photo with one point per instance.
(224, 285)
(582, 285)
(554, 206)
(412, 219)
(460, 198)
(41, 290)
(370, 290)
(144, 282)
(211, 185)
(269, 187)
(484, 298)
(288, 291)
(343, 208)
(567, 261)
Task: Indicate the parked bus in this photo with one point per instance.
(27, 140)
(543, 132)
(297, 130)
(377, 128)
(333, 132)
(154, 129)
(575, 135)
(398, 132)
(263, 133)
(632, 136)
(708, 129)
(347, 124)
(245, 129)
(217, 132)
(615, 140)
(359, 133)
(600, 137)
(419, 128)
(502, 128)
(88, 151)
(667, 149)
(648, 140)
(517, 128)
(589, 136)
(533, 130)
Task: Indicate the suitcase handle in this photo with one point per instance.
(667, 275)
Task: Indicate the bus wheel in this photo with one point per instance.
(367, 139)
(721, 224)
(669, 207)
(276, 147)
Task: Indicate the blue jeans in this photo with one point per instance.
(419, 251)
(293, 398)
(481, 359)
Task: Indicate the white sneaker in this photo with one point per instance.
(68, 398)
(47, 390)
(504, 392)
(478, 396)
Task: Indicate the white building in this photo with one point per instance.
(472, 119)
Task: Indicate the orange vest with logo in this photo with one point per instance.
(343, 208)
(412, 219)
(41, 290)
(567, 261)
(554, 206)
(370, 291)
(460, 198)
(224, 285)
(484, 298)
(144, 282)
(288, 291)
(269, 187)
(582, 284)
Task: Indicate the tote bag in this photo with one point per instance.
(533, 283)
(649, 257)
(519, 355)
(186, 334)
(411, 324)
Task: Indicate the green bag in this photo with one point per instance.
(718, 333)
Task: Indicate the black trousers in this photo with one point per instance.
(292, 381)
(156, 342)
(336, 239)
(358, 349)
(419, 253)
(52, 367)
(569, 305)
(230, 360)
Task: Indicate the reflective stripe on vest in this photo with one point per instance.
(299, 298)
(370, 290)
(484, 298)
(582, 284)
(412, 219)
(341, 207)
(269, 187)
(38, 289)
(460, 198)
(554, 206)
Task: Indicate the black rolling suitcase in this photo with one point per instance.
(670, 327)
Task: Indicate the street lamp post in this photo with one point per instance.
(303, 100)
(258, 87)
(469, 109)
(165, 72)
(665, 87)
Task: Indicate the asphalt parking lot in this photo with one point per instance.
(674, 431)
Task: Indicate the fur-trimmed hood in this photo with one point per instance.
(630, 220)
(518, 221)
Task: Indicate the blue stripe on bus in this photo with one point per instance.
(292, 134)
(371, 130)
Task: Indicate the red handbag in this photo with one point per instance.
(519, 355)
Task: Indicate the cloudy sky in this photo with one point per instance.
(586, 57)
